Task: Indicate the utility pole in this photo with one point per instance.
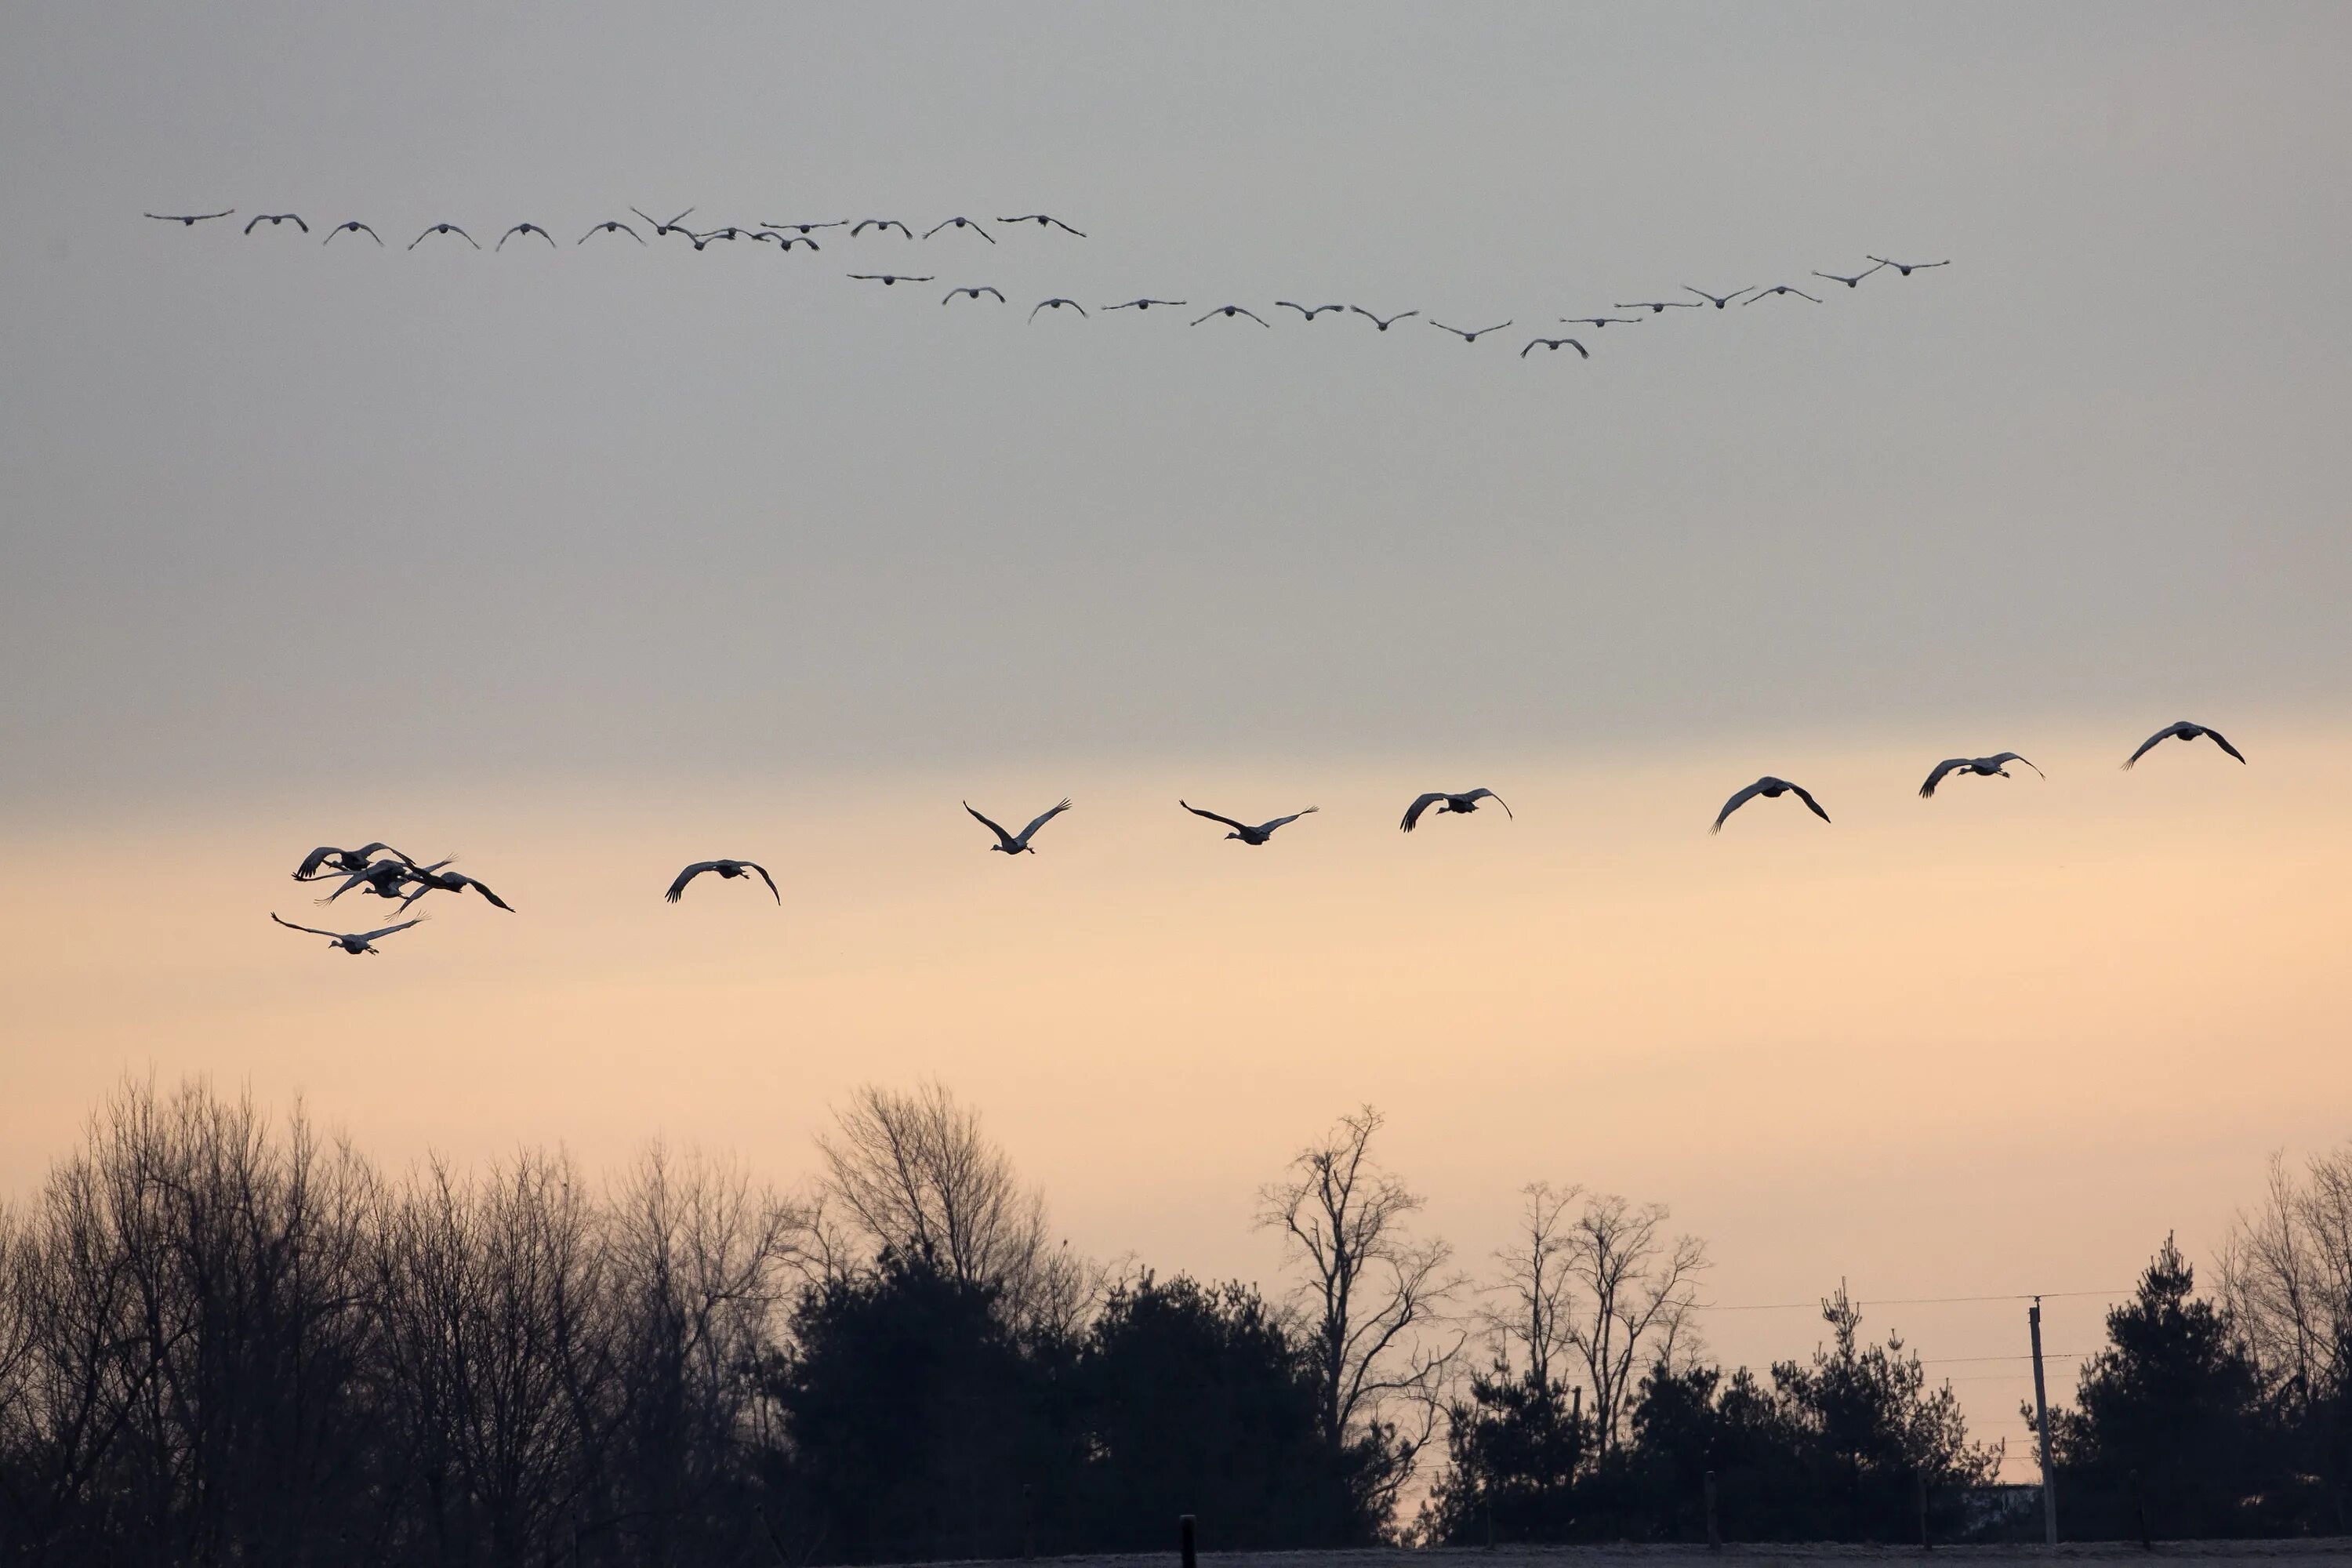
(2042, 1425)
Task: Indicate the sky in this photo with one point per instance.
(585, 563)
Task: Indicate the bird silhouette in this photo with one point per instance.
(1598, 322)
(1849, 283)
(1909, 267)
(1144, 304)
(190, 220)
(1243, 830)
(1555, 343)
(787, 241)
(2184, 731)
(1982, 767)
(327, 860)
(1041, 220)
(524, 228)
(443, 229)
(1660, 307)
(729, 869)
(1055, 305)
(354, 227)
(1769, 788)
(1718, 301)
(1235, 310)
(611, 226)
(1469, 337)
(970, 294)
(384, 878)
(960, 223)
(1457, 803)
(274, 219)
(1777, 288)
(352, 943)
(881, 223)
(1017, 844)
(437, 881)
(1375, 320)
(806, 228)
(887, 278)
(1310, 311)
(675, 225)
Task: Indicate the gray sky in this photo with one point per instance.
(280, 512)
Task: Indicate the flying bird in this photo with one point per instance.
(274, 219)
(1769, 788)
(1236, 310)
(886, 278)
(971, 294)
(452, 882)
(443, 229)
(1243, 830)
(881, 223)
(1055, 305)
(1658, 307)
(354, 227)
(384, 878)
(1909, 267)
(1144, 304)
(726, 869)
(728, 233)
(1718, 301)
(327, 860)
(1450, 802)
(611, 226)
(1041, 220)
(787, 241)
(525, 228)
(675, 225)
(1597, 322)
(1010, 843)
(1777, 288)
(1982, 767)
(2184, 731)
(190, 220)
(352, 943)
(805, 227)
(960, 223)
(1555, 343)
(1849, 283)
(1469, 337)
(1310, 311)
(1375, 320)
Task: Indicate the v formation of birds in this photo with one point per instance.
(377, 869)
(788, 237)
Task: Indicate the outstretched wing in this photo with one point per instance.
(483, 888)
(1002, 838)
(1264, 828)
(1044, 818)
(1420, 804)
(1482, 792)
(677, 888)
(2014, 757)
(2218, 738)
(312, 931)
(1213, 817)
(1928, 789)
(2164, 735)
(314, 860)
(765, 878)
(1806, 796)
(1735, 803)
(372, 935)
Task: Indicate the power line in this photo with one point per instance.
(2046, 1355)
(1815, 1305)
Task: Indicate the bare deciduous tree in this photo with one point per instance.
(1634, 1290)
(2286, 1277)
(1538, 1284)
(1376, 1297)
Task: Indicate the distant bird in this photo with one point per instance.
(1452, 803)
(1597, 322)
(675, 225)
(354, 227)
(881, 223)
(1235, 310)
(524, 228)
(384, 878)
(1310, 311)
(886, 278)
(1718, 301)
(190, 220)
(1849, 283)
(327, 860)
(1041, 220)
(1243, 831)
(971, 294)
(1144, 304)
(443, 229)
(1555, 343)
(1468, 337)
(1769, 788)
(1010, 843)
(611, 226)
(352, 943)
(274, 219)
(1375, 320)
(787, 241)
(805, 227)
(1055, 305)
(1658, 307)
(1909, 267)
(1982, 767)
(960, 223)
(1777, 288)
(452, 882)
(728, 233)
(726, 869)
(2184, 731)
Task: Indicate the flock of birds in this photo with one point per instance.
(787, 237)
(379, 869)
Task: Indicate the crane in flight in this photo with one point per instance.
(1243, 830)
(353, 943)
(2184, 731)
(1447, 802)
(1769, 788)
(1017, 843)
(730, 870)
(1982, 767)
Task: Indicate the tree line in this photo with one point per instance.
(225, 1340)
